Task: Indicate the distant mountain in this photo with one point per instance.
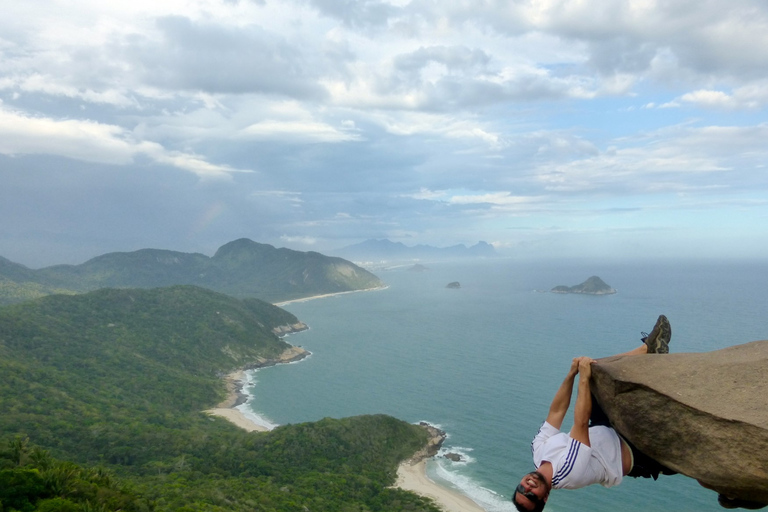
(592, 286)
(242, 268)
(386, 250)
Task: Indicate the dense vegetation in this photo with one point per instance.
(242, 268)
(30, 480)
(117, 380)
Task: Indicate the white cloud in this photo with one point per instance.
(504, 199)
(752, 96)
(288, 130)
(90, 141)
(303, 240)
(666, 161)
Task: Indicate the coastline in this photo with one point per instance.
(411, 473)
(325, 295)
(412, 476)
(230, 408)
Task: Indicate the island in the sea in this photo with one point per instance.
(592, 286)
(454, 284)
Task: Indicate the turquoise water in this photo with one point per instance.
(483, 361)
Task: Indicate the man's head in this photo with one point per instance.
(532, 493)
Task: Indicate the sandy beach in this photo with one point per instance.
(238, 418)
(413, 477)
(227, 409)
(313, 297)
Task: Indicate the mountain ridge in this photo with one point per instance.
(241, 268)
(385, 249)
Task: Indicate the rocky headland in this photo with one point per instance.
(435, 441)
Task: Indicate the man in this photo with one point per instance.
(592, 452)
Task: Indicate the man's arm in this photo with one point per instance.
(583, 409)
(562, 399)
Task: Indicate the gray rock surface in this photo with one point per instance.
(705, 415)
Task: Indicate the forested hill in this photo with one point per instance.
(242, 268)
(118, 378)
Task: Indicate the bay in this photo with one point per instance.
(483, 361)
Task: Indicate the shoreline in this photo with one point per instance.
(230, 408)
(411, 474)
(325, 295)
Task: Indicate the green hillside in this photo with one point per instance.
(241, 268)
(118, 379)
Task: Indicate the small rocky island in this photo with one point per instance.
(454, 284)
(592, 286)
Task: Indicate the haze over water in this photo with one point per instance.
(483, 361)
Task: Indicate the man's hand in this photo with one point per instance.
(585, 366)
(574, 367)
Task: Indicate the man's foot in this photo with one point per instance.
(658, 340)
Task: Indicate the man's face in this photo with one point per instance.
(532, 483)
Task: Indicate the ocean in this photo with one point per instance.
(482, 362)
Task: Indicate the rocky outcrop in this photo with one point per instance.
(289, 355)
(702, 415)
(284, 330)
(435, 441)
(592, 286)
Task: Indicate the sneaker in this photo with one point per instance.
(658, 340)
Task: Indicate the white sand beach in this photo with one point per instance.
(226, 409)
(313, 297)
(238, 418)
(413, 477)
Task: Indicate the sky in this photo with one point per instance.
(567, 128)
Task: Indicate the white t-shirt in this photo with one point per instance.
(577, 465)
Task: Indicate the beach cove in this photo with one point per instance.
(411, 474)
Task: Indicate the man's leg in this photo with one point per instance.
(597, 416)
(646, 467)
(655, 343)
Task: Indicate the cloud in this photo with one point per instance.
(303, 240)
(357, 13)
(436, 121)
(91, 142)
(312, 131)
(680, 159)
(753, 96)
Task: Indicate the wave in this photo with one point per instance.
(246, 409)
(450, 474)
